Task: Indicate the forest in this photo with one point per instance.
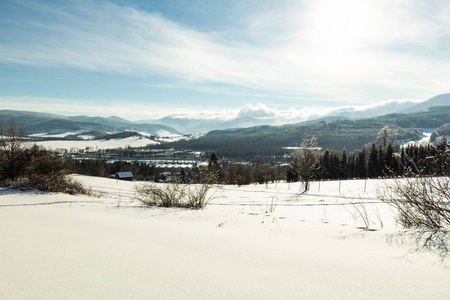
(380, 160)
(271, 141)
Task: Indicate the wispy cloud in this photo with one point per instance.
(352, 50)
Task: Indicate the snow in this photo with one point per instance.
(304, 246)
(59, 135)
(168, 134)
(98, 144)
(424, 141)
(87, 136)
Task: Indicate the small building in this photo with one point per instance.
(123, 176)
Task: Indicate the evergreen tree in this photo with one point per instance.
(361, 162)
(402, 162)
(352, 168)
(380, 166)
(334, 167)
(343, 166)
(372, 171)
(214, 169)
(326, 165)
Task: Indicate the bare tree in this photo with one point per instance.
(305, 161)
(422, 201)
(12, 150)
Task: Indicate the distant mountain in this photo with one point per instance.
(27, 117)
(375, 110)
(332, 133)
(186, 125)
(249, 116)
(53, 124)
(440, 100)
(324, 119)
(245, 117)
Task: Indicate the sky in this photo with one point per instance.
(148, 59)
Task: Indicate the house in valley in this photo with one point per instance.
(123, 176)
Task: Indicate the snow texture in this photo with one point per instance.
(251, 242)
(133, 141)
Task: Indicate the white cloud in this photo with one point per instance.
(335, 48)
(257, 111)
(261, 111)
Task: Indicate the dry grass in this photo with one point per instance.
(174, 194)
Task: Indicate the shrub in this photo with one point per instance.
(197, 195)
(422, 202)
(173, 194)
(30, 167)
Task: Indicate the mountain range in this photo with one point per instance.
(260, 114)
(54, 125)
(333, 134)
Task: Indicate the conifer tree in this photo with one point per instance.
(214, 168)
(343, 166)
(326, 165)
(380, 166)
(372, 171)
(361, 163)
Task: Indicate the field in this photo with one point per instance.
(97, 144)
(338, 241)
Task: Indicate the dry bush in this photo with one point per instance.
(28, 167)
(173, 194)
(165, 195)
(49, 173)
(197, 195)
(361, 213)
(422, 202)
(46, 172)
(59, 183)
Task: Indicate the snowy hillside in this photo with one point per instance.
(133, 141)
(251, 242)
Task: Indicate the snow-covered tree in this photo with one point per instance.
(305, 161)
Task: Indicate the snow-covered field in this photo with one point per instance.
(251, 242)
(134, 141)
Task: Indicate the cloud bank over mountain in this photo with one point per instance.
(262, 111)
(261, 114)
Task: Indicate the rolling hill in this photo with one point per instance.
(42, 124)
(336, 134)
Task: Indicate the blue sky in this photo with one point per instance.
(147, 59)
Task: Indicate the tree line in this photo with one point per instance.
(379, 160)
(28, 166)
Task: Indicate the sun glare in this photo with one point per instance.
(337, 36)
(343, 24)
